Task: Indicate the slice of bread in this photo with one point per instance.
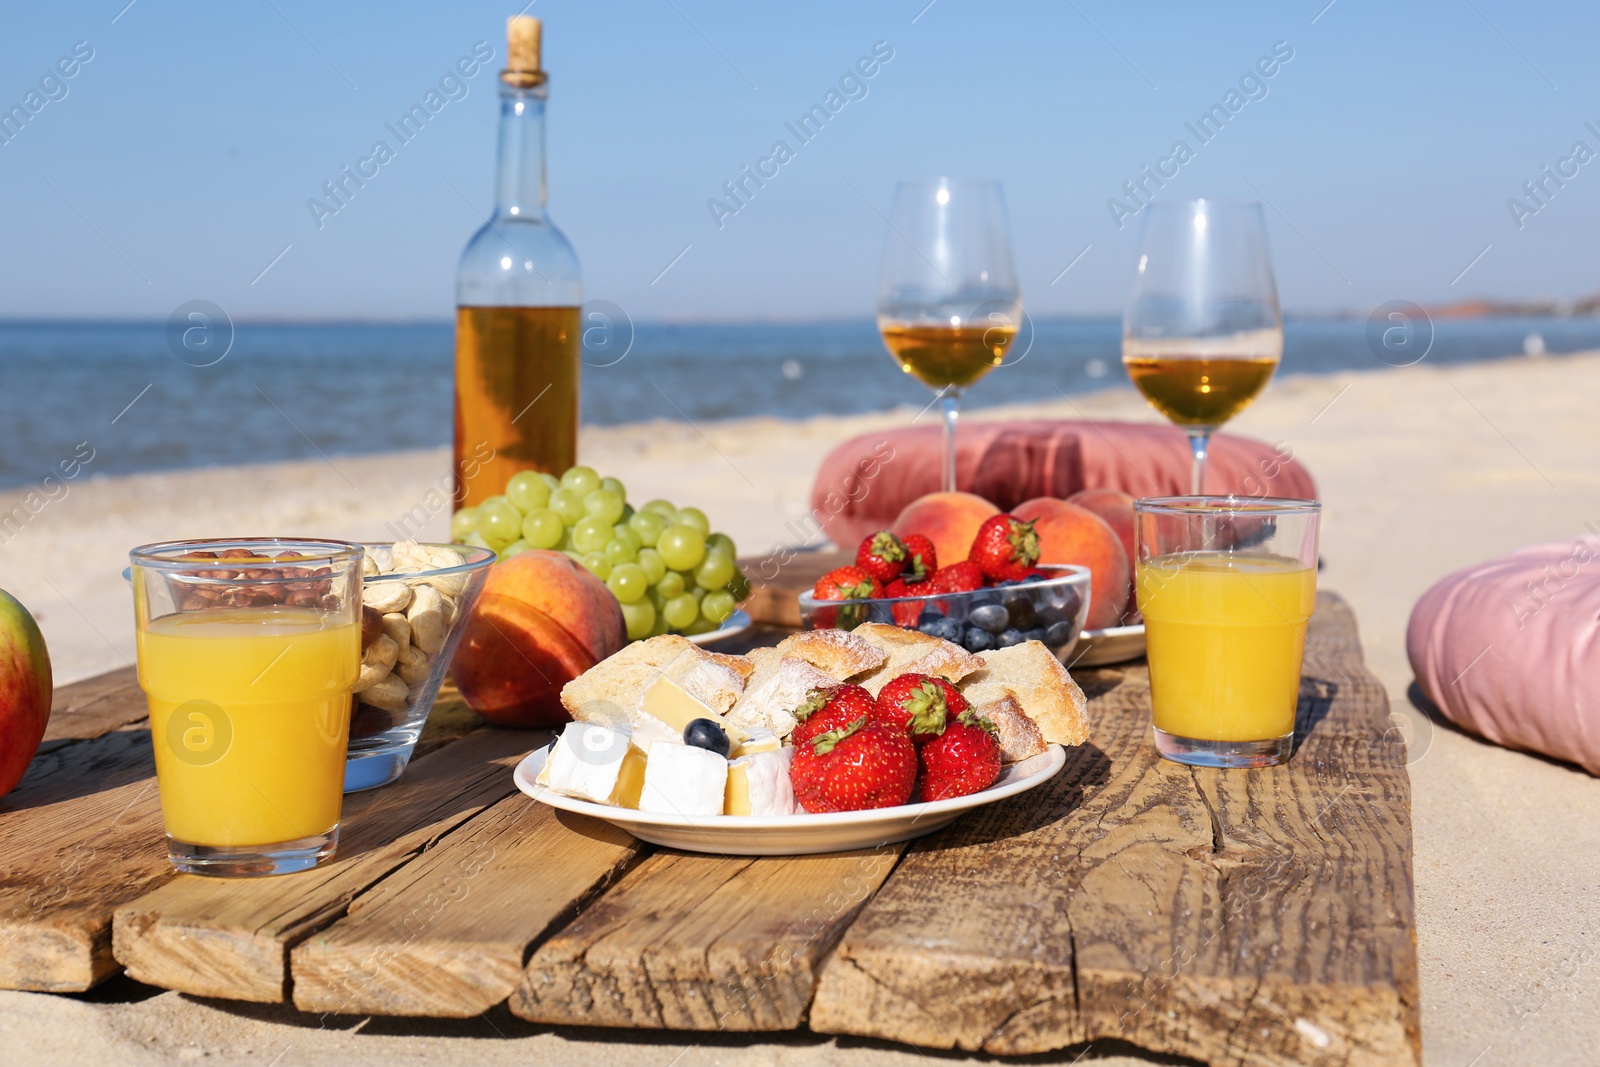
(612, 691)
(1031, 673)
(839, 653)
(913, 652)
(779, 685)
(1019, 736)
(740, 665)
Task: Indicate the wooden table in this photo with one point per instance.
(1254, 917)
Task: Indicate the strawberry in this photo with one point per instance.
(921, 561)
(904, 614)
(961, 577)
(919, 705)
(960, 761)
(846, 583)
(1006, 548)
(861, 766)
(882, 555)
(833, 708)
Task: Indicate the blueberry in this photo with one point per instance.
(1039, 577)
(1021, 612)
(1007, 584)
(1071, 602)
(1057, 634)
(976, 640)
(1011, 637)
(1034, 633)
(948, 629)
(703, 733)
(982, 598)
(928, 615)
(991, 617)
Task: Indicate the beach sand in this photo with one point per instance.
(1423, 470)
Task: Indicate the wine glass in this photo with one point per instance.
(948, 300)
(1202, 334)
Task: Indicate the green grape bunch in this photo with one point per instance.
(666, 568)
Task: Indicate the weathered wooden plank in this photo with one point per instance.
(774, 584)
(228, 937)
(447, 934)
(80, 835)
(1257, 917)
(701, 942)
(93, 707)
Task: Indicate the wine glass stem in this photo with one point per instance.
(950, 401)
(1199, 440)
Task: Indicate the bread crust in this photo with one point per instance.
(1018, 736)
(1031, 674)
(913, 652)
(839, 653)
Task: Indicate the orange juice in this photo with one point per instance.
(249, 716)
(1225, 634)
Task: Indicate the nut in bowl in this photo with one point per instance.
(1049, 607)
(414, 599)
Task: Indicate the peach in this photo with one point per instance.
(1116, 507)
(1072, 534)
(541, 621)
(949, 520)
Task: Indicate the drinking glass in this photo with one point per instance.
(1226, 586)
(949, 305)
(1202, 334)
(248, 650)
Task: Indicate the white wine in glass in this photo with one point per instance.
(948, 300)
(1203, 333)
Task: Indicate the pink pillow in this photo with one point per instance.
(867, 480)
(1510, 649)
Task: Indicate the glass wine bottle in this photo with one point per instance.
(517, 295)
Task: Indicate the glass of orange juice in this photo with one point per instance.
(248, 650)
(1226, 586)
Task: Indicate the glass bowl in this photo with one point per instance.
(424, 604)
(1051, 610)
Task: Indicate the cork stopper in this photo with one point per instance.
(523, 34)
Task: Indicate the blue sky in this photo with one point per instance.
(179, 162)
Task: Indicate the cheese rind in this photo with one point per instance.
(677, 708)
(589, 761)
(760, 740)
(683, 780)
(759, 785)
(647, 730)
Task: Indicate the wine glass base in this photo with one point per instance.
(1226, 754)
(245, 861)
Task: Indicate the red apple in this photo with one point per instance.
(541, 621)
(25, 690)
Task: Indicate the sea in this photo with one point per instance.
(144, 396)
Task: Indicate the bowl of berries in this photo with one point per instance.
(998, 597)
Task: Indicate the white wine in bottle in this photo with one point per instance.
(517, 295)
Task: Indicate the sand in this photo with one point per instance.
(1422, 469)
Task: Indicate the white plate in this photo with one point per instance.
(737, 623)
(1114, 644)
(794, 835)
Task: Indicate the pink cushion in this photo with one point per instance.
(1510, 649)
(866, 481)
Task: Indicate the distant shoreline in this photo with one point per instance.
(608, 435)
